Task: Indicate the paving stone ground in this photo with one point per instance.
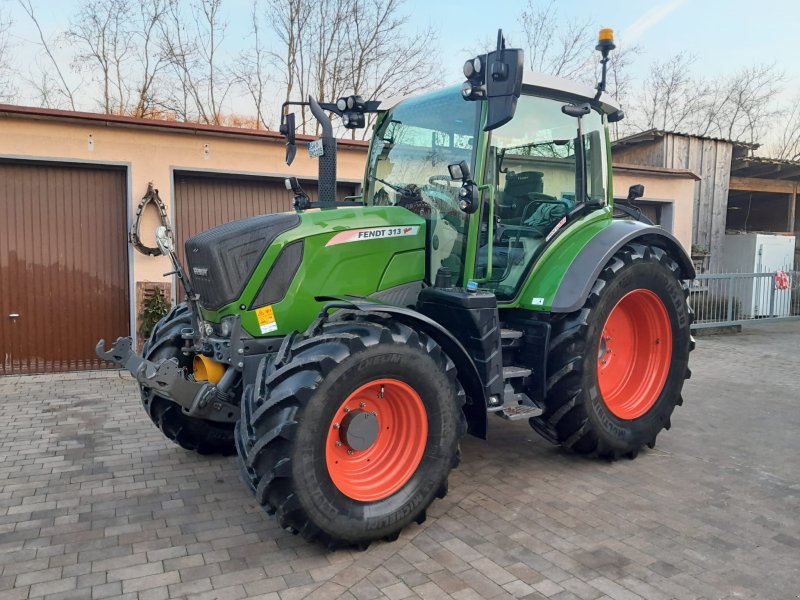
(95, 503)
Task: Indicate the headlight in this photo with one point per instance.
(226, 326)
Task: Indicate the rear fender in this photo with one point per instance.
(584, 269)
(475, 407)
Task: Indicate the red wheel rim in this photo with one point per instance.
(388, 463)
(634, 354)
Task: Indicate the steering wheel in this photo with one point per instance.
(435, 179)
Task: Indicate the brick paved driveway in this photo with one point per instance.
(94, 503)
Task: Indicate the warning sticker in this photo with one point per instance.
(373, 233)
(266, 319)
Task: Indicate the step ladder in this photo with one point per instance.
(514, 405)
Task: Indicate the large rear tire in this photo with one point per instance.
(203, 437)
(616, 366)
(349, 434)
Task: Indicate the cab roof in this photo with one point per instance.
(540, 84)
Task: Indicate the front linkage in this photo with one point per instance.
(198, 399)
(206, 400)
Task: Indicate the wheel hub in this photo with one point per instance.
(376, 440)
(359, 429)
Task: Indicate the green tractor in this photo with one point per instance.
(343, 349)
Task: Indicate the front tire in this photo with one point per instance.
(349, 434)
(198, 435)
(616, 366)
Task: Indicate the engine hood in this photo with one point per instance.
(223, 260)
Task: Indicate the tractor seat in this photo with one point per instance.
(515, 196)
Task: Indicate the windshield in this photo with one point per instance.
(407, 166)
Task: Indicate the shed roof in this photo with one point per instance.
(758, 167)
(652, 135)
(69, 116)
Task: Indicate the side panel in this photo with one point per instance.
(544, 279)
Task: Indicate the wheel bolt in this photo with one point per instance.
(336, 426)
(346, 409)
(603, 361)
(338, 444)
(362, 404)
(350, 452)
(374, 414)
(608, 338)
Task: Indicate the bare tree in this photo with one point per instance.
(100, 31)
(555, 45)
(193, 54)
(739, 106)
(384, 59)
(53, 89)
(150, 59)
(8, 91)
(326, 52)
(747, 104)
(251, 69)
(786, 142)
(670, 96)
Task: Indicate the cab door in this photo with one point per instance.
(539, 168)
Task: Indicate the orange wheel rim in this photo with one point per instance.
(634, 354)
(376, 440)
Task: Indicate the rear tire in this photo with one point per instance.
(294, 452)
(599, 407)
(203, 437)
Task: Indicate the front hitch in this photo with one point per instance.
(199, 399)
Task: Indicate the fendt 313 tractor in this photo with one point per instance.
(343, 349)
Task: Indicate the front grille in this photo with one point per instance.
(222, 259)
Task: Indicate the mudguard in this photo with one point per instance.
(587, 265)
(475, 407)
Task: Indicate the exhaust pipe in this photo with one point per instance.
(327, 162)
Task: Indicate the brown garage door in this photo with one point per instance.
(204, 201)
(63, 265)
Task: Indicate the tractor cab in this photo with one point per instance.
(532, 174)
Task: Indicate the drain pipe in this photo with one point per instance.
(327, 162)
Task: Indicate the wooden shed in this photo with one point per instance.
(710, 159)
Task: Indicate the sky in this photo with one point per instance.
(724, 35)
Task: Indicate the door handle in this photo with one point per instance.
(13, 315)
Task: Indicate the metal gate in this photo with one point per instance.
(721, 299)
(63, 265)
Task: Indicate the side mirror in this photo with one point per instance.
(164, 240)
(459, 171)
(635, 191)
(287, 129)
(496, 77)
